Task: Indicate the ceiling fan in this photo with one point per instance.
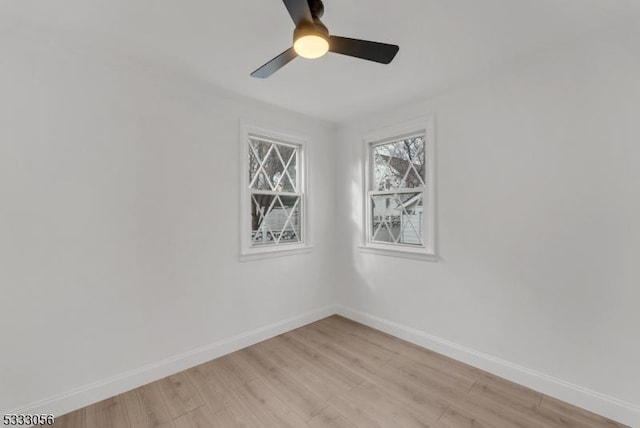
(311, 40)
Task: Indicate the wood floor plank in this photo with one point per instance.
(110, 413)
(423, 371)
(179, 396)
(75, 419)
(309, 336)
(348, 357)
(145, 408)
(229, 371)
(362, 355)
(333, 373)
(497, 413)
(269, 409)
(509, 389)
(321, 361)
(208, 383)
(355, 414)
(414, 394)
(400, 411)
(240, 412)
(371, 350)
(317, 376)
(454, 418)
(573, 413)
(409, 350)
(197, 418)
(330, 418)
(527, 408)
(383, 340)
(514, 396)
(322, 382)
(306, 403)
(276, 354)
(560, 420)
(226, 419)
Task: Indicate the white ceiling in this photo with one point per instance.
(441, 41)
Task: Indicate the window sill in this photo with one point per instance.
(405, 254)
(273, 253)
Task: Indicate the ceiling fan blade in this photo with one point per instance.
(275, 64)
(299, 11)
(372, 51)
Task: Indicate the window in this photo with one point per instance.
(274, 194)
(400, 189)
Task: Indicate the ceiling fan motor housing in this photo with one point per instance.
(317, 28)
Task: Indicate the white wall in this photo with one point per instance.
(119, 233)
(539, 206)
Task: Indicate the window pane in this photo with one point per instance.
(261, 234)
(400, 164)
(286, 181)
(397, 218)
(272, 166)
(293, 174)
(411, 219)
(291, 228)
(274, 219)
(259, 159)
(384, 219)
(254, 164)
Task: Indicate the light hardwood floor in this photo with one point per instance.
(333, 373)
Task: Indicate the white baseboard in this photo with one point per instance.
(610, 407)
(98, 391)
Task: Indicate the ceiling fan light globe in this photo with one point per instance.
(311, 46)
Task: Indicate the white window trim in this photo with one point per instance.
(247, 252)
(427, 251)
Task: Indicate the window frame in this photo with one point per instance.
(428, 250)
(247, 251)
